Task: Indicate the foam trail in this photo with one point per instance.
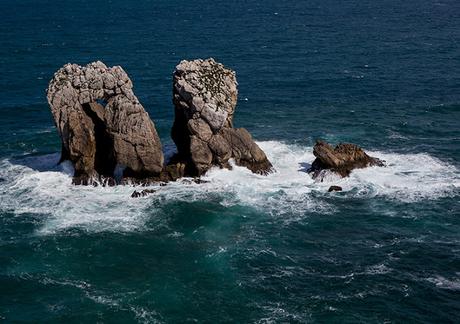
(407, 177)
(35, 185)
(51, 193)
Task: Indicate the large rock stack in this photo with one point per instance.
(104, 128)
(205, 97)
(102, 124)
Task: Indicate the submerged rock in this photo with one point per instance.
(340, 160)
(102, 124)
(194, 180)
(205, 97)
(334, 188)
(142, 193)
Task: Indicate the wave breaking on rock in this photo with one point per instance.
(340, 160)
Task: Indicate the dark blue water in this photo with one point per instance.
(242, 248)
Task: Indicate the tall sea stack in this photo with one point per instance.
(102, 124)
(205, 96)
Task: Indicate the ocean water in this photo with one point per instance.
(241, 248)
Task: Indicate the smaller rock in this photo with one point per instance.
(341, 159)
(334, 188)
(194, 180)
(142, 193)
(200, 181)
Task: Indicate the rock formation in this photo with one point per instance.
(142, 193)
(341, 160)
(334, 188)
(102, 124)
(205, 96)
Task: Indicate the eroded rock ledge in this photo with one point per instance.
(205, 96)
(102, 124)
(341, 160)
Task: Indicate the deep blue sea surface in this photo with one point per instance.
(242, 248)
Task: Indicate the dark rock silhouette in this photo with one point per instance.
(341, 160)
(205, 97)
(334, 188)
(142, 193)
(102, 124)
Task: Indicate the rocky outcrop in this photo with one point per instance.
(334, 188)
(102, 124)
(341, 160)
(205, 97)
(142, 193)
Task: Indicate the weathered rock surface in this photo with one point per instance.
(102, 123)
(205, 97)
(341, 160)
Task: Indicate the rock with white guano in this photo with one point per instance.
(205, 97)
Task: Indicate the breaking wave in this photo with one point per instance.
(36, 185)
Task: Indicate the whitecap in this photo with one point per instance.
(377, 269)
(396, 135)
(444, 283)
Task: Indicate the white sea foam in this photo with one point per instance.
(445, 283)
(34, 185)
(377, 269)
(406, 177)
(28, 190)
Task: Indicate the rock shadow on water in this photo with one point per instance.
(304, 167)
(44, 163)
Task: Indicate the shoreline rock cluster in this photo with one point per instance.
(110, 139)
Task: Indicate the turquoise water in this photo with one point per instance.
(241, 248)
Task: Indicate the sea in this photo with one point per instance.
(241, 248)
